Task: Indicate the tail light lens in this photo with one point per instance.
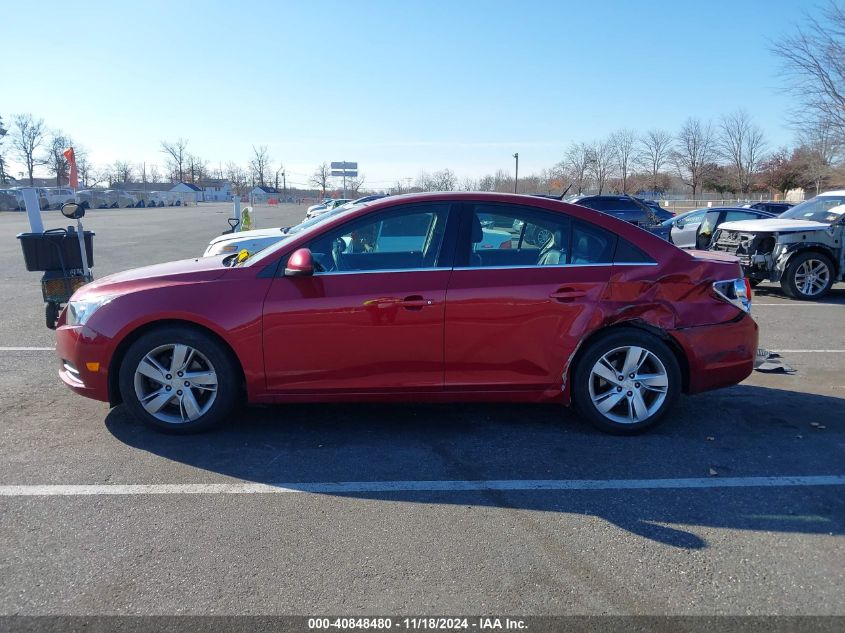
(505, 244)
(736, 292)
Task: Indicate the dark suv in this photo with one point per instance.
(623, 207)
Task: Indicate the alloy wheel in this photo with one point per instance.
(628, 384)
(812, 277)
(175, 383)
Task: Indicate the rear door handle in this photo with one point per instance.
(567, 294)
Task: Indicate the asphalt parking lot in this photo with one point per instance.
(734, 506)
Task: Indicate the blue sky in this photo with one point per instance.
(397, 86)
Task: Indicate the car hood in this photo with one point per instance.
(248, 235)
(167, 274)
(774, 225)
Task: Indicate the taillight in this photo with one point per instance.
(506, 244)
(737, 292)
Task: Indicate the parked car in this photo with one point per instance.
(258, 239)
(775, 208)
(57, 196)
(320, 316)
(623, 207)
(92, 199)
(660, 213)
(694, 229)
(41, 192)
(802, 249)
(362, 200)
(10, 200)
(327, 205)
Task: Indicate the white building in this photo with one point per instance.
(193, 190)
(216, 190)
(263, 194)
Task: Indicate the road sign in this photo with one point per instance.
(344, 165)
(348, 173)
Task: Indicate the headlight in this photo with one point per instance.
(78, 312)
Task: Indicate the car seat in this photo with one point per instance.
(553, 253)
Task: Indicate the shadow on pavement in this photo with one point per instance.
(741, 431)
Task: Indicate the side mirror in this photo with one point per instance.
(73, 211)
(300, 264)
(679, 224)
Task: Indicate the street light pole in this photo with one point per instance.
(516, 173)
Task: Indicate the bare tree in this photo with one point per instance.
(741, 144)
(238, 177)
(354, 185)
(259, 165)
(487, 183)
(3, 132)
(122, 171)
(27, 139)
(444, 180)
(655, 151)
(820, 148)
(176, 155)
(600, 159)
(86, 170)
(623, 143)
(815, 57)
(56, 160)
(155, 175)
(321, 176)
(469, 184)
(694, 150)
(197, 168)
(576, 163)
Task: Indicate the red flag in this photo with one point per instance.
(71, 161)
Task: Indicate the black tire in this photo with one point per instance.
(228, 387)
(791, 287)
(51, 314)
(608, 343)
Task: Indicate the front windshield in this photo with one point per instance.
(826, 209)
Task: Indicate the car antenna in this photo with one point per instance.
(565, 191)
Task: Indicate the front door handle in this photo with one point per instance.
(414, 302)
(567, 294)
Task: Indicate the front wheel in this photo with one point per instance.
(179, 380)
(626, 381)
(808, 276)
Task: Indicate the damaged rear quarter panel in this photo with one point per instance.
(674, 295)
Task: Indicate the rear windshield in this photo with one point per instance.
(827, 209)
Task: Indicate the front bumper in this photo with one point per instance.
(719, 355)
(83, 357)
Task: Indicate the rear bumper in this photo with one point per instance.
(83, 357)
(719, 355)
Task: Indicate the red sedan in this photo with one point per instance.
(434, 297)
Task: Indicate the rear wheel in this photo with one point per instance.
(626, 381)
(808, 276)
(179, 380)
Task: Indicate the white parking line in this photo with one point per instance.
(27, 349)
(754, 304)
(809, 351)
(416, 486)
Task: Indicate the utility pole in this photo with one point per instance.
(284, 187)
(516, 174)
